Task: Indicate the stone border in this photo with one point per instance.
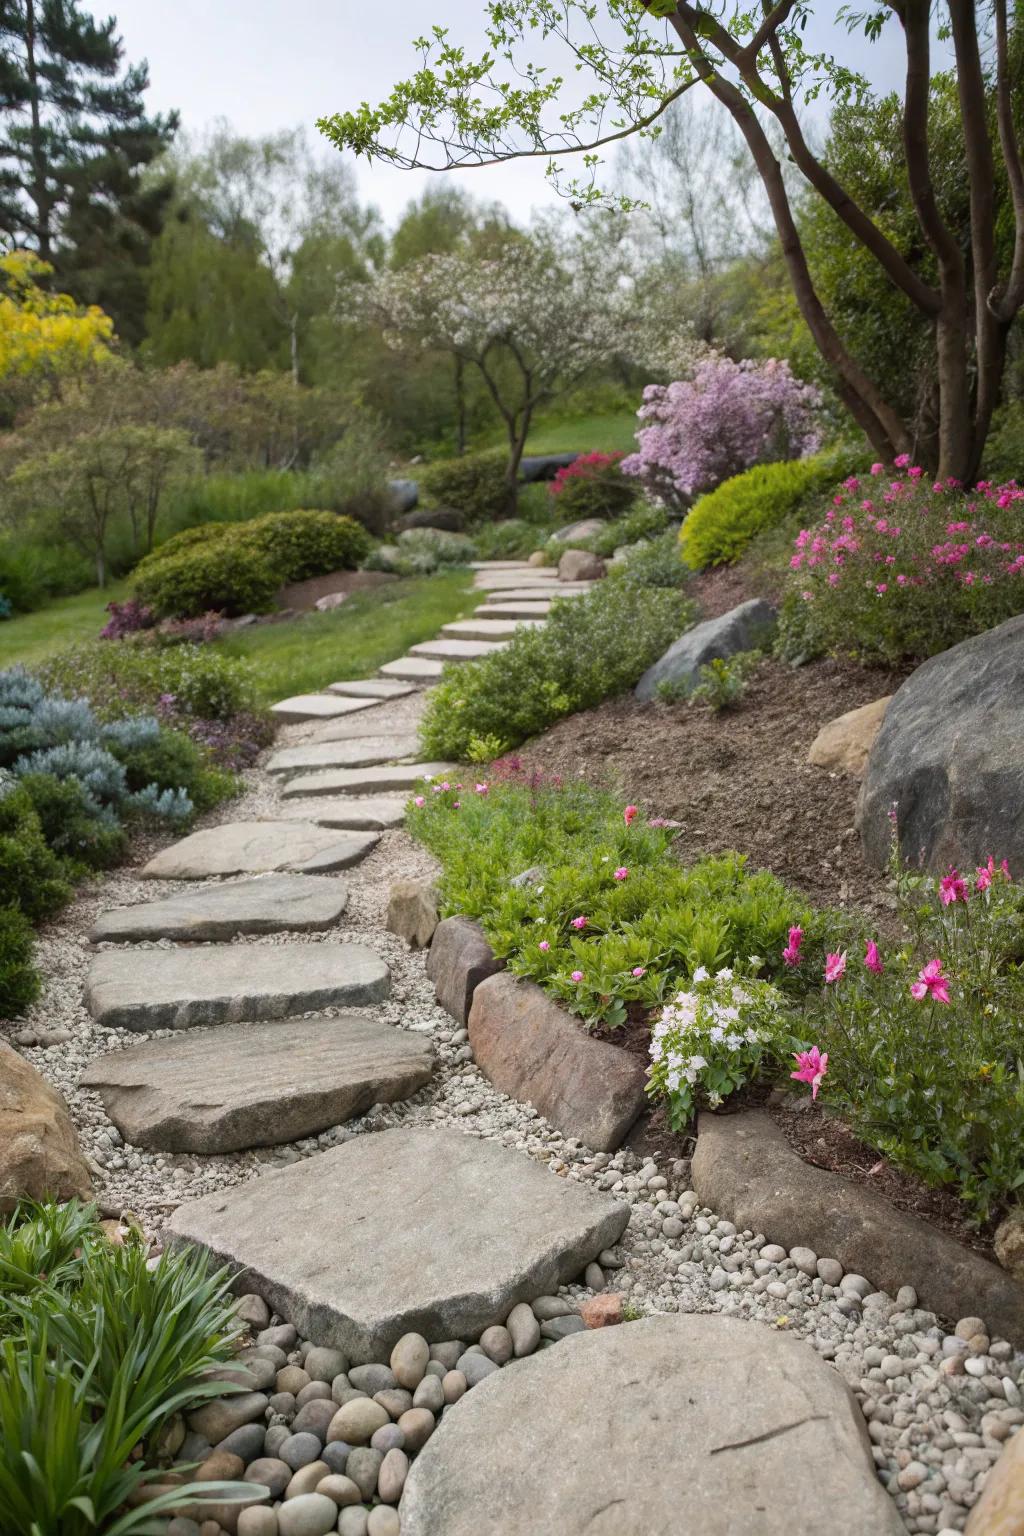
(744, 1167)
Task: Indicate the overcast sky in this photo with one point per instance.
(271, 64)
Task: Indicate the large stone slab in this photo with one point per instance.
(407, 777)
(417, 669)
(401, 1231)
(40, 1158)
(374, 813)
(671, 1426)
(741, 629)
(533, 1050)
(456, 650)
(256, 848)
(300, 903)
(459, 959)
(314, 755)
(745, 1169)
(950, 757)
(524, 609)
(488, 629)
(226, 983)
(370, 688)
(318, 706)
(256, 1085)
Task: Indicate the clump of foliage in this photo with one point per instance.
(901, 568)
(513, 538)
(19, 979)
(127, 618)
(590, 648)
(421, 551)
(45, 336)
(99, 1349)
(723, 680)
(474, 484)
(722, 524)
(593, 486)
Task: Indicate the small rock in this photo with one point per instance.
(455, 1384)
(430, 1394)
(602, 1311)
(547, 1307)
(409, 1360)
(336, 1454)
(356, 1421)
(397, 1401)
(247, 1441)
(447, 1354)
(313, 1514)
(593, 1277)
(1009, 1244)
(474, 1368)
(315, 1417)
(363, 1468)
(353, 1522)
(830, 1271)
(773, 1253)
(258, 1521)
(418, 1424)
(272, 1472)
(306, 1480)
(372, 1378)
(524, 1330)
(561, 1327)
(413, 911)
(216, 1420)
(220, 1466)
(253, 1310)
(324, 1364)
(388, 1438)
(292, 1379)
(299, 1450)
(284, 1336)
(394, 1470)
(383, 1521)
(496, 1344)
(967, 1327)
(341, 1489)
(805, 1259)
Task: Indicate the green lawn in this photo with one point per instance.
(32, 637)
(588, 434)
(304, 654)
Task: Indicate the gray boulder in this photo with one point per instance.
(741, 629)
(586, 529)
(450, 519)
(544, 466)
(405, 495)
(950, 758)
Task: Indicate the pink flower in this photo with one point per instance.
(872, 959)
(419, 800)
(639, 970)
(901, 460)
(811, 1067)
(483, 789)
(577, 976)
(791, 953)
(456, 805)
(984, 879)
(579, 922)
(630, 814)
(835, 967)
(622, 873)
(952, 888)
(544, 946)
(931, 983)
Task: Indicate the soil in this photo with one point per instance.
(300, 596)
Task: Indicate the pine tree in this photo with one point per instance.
(74, 143)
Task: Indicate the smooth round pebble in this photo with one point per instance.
(372, 1378)
(292, 1379)
(247, 1441)
(524, 1330)
(455, 1384)
(353, 1522)
(313, 1392)
(340, 1488)
(773, 1253)
(335, 1454)
(271, 1472)
(496, 1344)
(299, 1450)
(363, 1467)
(220, 1466)
(967, 1327)
(805, 1259)
(449, 1351)
(275, 1437)
(315, 1417)
(830, 1271)
(475, 1368)
(357, 1420)
(397, 1401)
(418, 1425)
(388, 1438)
(256, 1522)
(314, 1514)
(323, 1364)
(429, 1394)
(284, 1336)
(383, 1521)
(593, 1279)
(394, 1470)
(409, 1360)
(307, 1479)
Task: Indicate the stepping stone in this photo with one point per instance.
(256, 848)
(501, 565)
(487, 629)
(300, 903)
(225, 983)
(374, 814)
(457, 650)
(343, 754)
(370, 688)
(377, 728)
(256, 1085)
(701, 1425)
(532, 595)
(406, 1230)
(318, 706)
(416, 668)
(537, 575)
(355, 781)
(520, 610)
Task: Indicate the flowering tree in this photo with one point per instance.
(530, 323)
(724, 419)
(754, 59)
(44, 336)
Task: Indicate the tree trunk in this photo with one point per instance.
(39, 194)
(460, 406)
(516, 446)
(101, 566)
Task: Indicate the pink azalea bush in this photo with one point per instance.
(903, 567)
(729, 416)
(593, 486)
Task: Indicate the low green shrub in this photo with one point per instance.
(31, 574)
(82, 839)
(32, 877)
(590, 648)
(655, 563)
(305, 543)
(474, 484)
(138, 673)
(20, 984)
(593, 486)
(511, 539)
(722, 524)
(421, 551)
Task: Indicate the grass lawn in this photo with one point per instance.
(32, 637)
(304, 654)
(588, 434)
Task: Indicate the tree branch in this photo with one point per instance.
(915, 15)
(1006, 303)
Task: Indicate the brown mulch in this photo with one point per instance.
(302, 595)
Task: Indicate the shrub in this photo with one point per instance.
(303, 544)
(169, 763)
(655, 563)
(83, 837)
(723, 680)
(32, 877)
(711, 1041)
(475, 484)
(725, 419)
(511, 539)
(1004, 450)
(590, 647)
(222, 574)
(19, 979)
(421, 551)
(905, 569)
(593, 486)
(127, 618)
(143, 674)
(722, 523)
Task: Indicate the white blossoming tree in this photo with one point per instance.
(529, 321)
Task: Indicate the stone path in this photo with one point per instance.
(356, 781)
(257, 847)
(297, 903)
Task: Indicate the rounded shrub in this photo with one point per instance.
(303, 544)
(226, 576)
(31, 874)
(593, 486)
(722, 524)
(19, 980)
(475, 484)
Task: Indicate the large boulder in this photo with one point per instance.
(587, 528)
(950, 758)
(744, 628)
(404, 495)
(39, 1153)
(843, 745)
(580, 565)
(544, 466)
(450, 519)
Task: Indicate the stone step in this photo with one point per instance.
(257, 848)
(416, 668)
(500, 565)
(318, 706)
(343, 754)
(413, 1229)
(408, 777)
(536, 594)
(276, 904)
(225, 983)
(537, 577)
(256, 1085)
(488, 629)
(457, 650)
(371, 688)
(524, 609)
(387, 721)
(373, 814)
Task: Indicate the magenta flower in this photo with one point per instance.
(931, 983)
(639, 970)
(952, 888)
(630, 814)
(878, 469)
(579, 922)
(622, 874)
(419, 800)
(984, 878)
(835, 967)
(811, 1067)
(544, 946)
(791, 953)
(577, 976)
(872, 959)
(483, 789)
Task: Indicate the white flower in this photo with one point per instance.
(734, 1042)
(724, 974)
(702, 973)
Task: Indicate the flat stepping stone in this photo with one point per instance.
(370, 688)
(256, 848)
(256, 1085)
(416, 668)
(343, 754)
(226, 983)
(533, 594)
(357, 781)
(488, 629)
(318, 706)
(406, 1230)
(701, 1425)
(520, 610)
(501, 565)
(537, 575)
(457, 650)
(376, 813)
(300, 903)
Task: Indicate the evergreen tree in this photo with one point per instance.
(75, 141)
